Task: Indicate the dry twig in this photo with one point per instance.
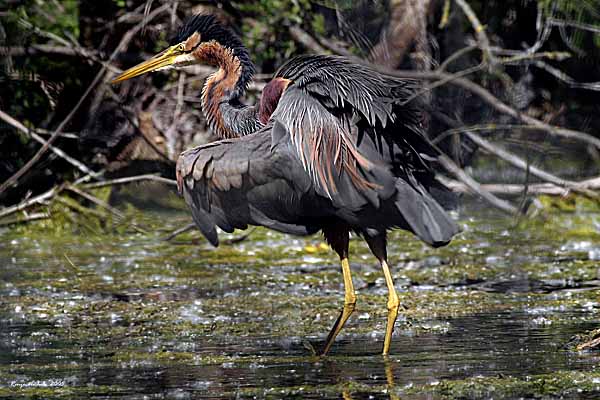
(18, 125)
(511, 189)
(129, 179)
(104, 205)
(474, 186)
(482, 39)
(122, 45)
(521, 164)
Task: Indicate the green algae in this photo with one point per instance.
(559, 384)
(80, 290)
(60, 392)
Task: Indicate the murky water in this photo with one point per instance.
(130, 315)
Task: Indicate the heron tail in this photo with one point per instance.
(425, 217)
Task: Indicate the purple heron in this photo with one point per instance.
(330, 147)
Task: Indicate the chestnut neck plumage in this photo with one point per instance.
(221, 94)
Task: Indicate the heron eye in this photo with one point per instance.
(181, 47)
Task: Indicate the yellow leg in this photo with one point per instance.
(393, 304)
(346, 395)
(349, 302)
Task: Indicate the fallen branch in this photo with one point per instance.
(104, 205)
(75, 206)
(96, 201)
(129, 179)
(39, 199)
(50, 194)
(27, 218)
(474, 186)
(512, 189)
(521, 164)
(179, 231)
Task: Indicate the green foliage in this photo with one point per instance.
(342, 5)
(318, 24)
(571, 7)
(57, 17)
(265, 30)
(578, 11)
(36, 79)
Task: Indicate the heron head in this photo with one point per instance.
(194, 44)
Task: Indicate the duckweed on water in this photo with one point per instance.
(121, 312)
(559, 384)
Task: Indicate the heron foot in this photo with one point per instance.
(393, 306)
(339, 324)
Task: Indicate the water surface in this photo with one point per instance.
(119, 313)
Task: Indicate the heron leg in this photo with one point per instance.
(339, 242)
(377, 244)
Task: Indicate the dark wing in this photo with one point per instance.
(359, 142)
(330, 104)
(327, 148)
(338, 81)
(239, 182)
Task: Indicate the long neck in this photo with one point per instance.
(225, 114)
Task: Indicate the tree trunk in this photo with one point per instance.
(407, 28)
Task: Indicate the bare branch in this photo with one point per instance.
(500, 106)
(301, 36)
(27, 218)
(48, 195)
(521, 164)
(455, 56)
(29, 202)
(482, 39)
(474, 186)
(510, 189)
(480, 128)
(179, 231)
(575, 24)
(595, 86)
(104, 205)
(18, 125)
(124, 41)
(34, 49)
(129, 179)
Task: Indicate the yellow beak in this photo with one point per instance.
(161, 60)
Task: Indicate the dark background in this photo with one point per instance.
(52, 50)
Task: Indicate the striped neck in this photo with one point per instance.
(225, 114)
